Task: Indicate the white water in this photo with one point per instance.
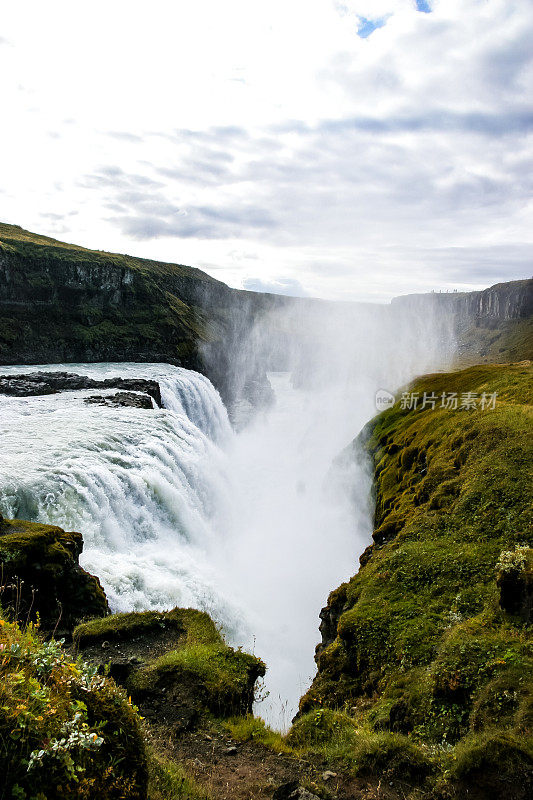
(178, 509)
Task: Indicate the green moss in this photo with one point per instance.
(41, 576)
(197, 626)
(497, 763)
(427, 643)
(323, 726)
(222, 679)
(337, 736)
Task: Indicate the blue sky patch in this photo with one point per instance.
(423, 6)
(368, 26)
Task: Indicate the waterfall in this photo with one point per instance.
(177, 508)
(141, 485)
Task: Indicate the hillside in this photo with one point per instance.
(431, 639)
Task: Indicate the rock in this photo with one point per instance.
(293, 791)
(40, 383)
(515, 582)
(144, 651)
(286, 791)
(122, 399)
(41, 575)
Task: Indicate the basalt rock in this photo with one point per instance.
(121, 400)
(41, 383)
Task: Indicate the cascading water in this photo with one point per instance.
(176, 508)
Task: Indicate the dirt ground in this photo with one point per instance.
(231, 770)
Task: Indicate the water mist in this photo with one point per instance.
(254, 523)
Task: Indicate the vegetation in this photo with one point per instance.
(40, 575)
(197, 626)
(427, 646)
(17, 241)
(508, 340)
(186, 658)
(220, 679)
(65, 731)
(168, 781)
(253, 729)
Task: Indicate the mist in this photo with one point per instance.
(298, 517)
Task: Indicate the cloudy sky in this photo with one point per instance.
(352, 149)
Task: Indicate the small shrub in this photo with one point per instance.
(322, 726)
(65, 731)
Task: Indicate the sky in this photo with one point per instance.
(345, 149)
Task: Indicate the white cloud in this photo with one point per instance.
(352, 167)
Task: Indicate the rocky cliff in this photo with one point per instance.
(493, 325)
(64, 303)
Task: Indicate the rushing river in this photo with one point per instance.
(178, 508)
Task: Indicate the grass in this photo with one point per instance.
(220, 678)
(337, 738)
(16, 240)
(214, 676)
(252, 729)
(168, 781)
(511, 340)
(427, 646)
(197, 626)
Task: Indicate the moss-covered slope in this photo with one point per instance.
(40, 576)
(424, 640)
(175, 664)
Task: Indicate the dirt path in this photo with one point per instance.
(231, 770)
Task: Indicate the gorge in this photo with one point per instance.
(248, 491)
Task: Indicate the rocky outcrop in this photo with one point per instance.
(174, 664)
(490, 326)
(39, 383)
(40, 576)
(121, 400)
(503, 301)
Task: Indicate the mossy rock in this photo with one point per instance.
(175, 664)
(41, 576)
(492, 766)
